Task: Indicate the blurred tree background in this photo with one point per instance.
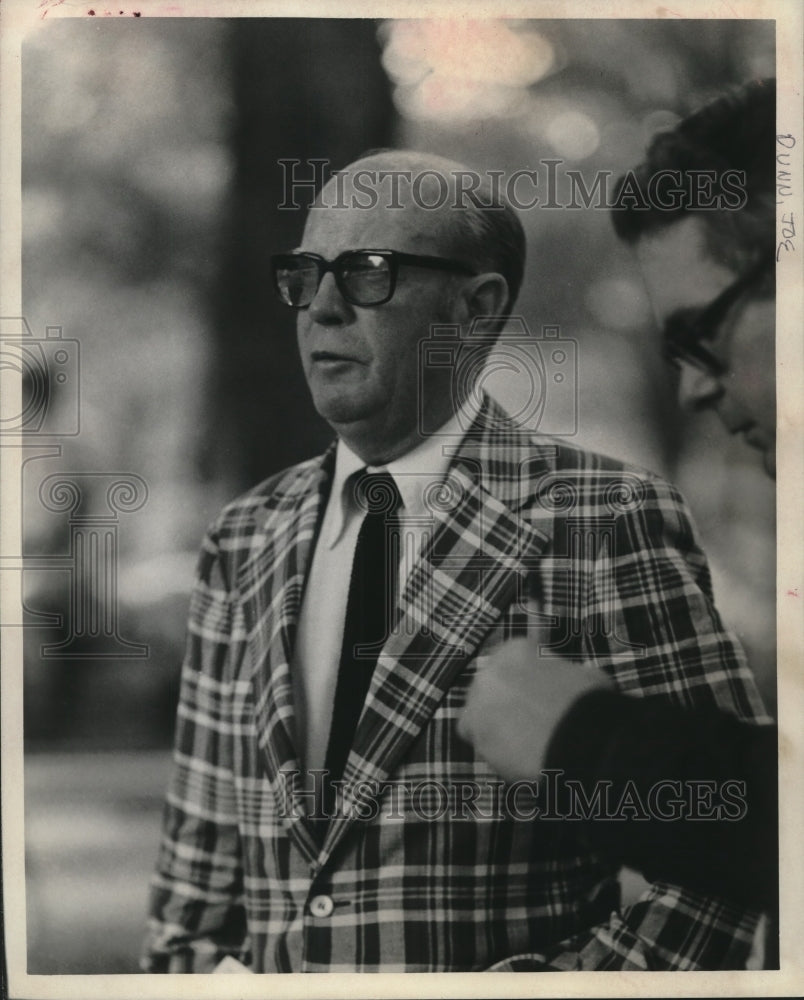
(151, 193)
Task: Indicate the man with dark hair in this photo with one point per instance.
(324, 814)
(733, 138)
(710, 272)
(710, 277)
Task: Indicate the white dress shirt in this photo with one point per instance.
(317, 654)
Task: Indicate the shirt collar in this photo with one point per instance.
(412, 472)
(346, 463)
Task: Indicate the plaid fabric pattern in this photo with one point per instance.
(423, 871)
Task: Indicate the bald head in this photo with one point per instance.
(448, 203)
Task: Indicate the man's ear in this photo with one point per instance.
(483, 295)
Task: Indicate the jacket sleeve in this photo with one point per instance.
(196, 910)
(664, 752)
(649, 621)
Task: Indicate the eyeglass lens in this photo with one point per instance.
(297, 281)
(363, 278)
(689, 333)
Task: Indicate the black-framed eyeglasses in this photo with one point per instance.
(363, 277)
(689, 332)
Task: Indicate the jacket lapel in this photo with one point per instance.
(271, 585)
(474, 564)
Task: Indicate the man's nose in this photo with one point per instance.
(698, 389)
(329, 308)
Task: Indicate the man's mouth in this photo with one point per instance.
(333, 357)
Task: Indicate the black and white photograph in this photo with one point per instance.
(402, 474)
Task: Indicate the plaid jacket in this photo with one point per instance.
(419, 874)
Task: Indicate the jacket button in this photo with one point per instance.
(321, 906)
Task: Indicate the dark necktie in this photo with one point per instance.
(369, 613)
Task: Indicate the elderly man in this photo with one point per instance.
(324, 814)
(710, 278)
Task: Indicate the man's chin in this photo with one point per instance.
(764, 443)
(339, 410)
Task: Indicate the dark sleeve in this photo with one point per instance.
(687, 796)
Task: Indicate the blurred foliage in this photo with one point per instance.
(126, 163)
(150, 206)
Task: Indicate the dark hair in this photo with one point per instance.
(736, 132)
